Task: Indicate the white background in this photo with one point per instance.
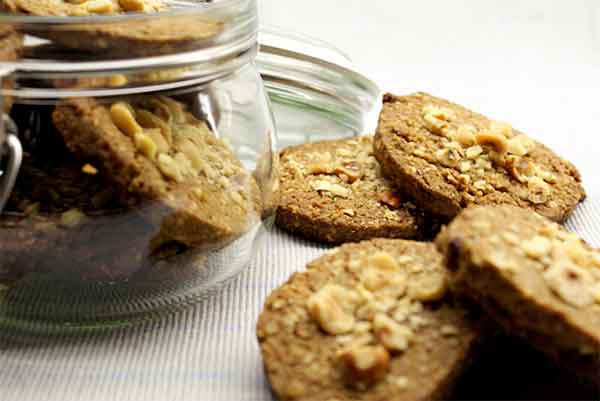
(535, 63)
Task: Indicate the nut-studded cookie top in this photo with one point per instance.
(545, 280)
(152, 148)
(333, 191)
(80, 7)
(367, 321)
(448, 157)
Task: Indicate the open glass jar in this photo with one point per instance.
(138, 162)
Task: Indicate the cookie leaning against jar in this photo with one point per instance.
(11, 44)
(537, 280)
(151, 148)
(333, 191)
(368, 321)
(137, 37)
(447, 157)
(63, 219)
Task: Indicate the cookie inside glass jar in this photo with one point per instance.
(153, 149)
(138, 36)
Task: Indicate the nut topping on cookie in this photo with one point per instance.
(328, 306)
(364, 366)
(423, 143)
(392, 335)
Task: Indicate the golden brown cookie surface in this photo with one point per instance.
(152, 148)
(536, 279)
(333, 191)
(368, 321)
(447, 157)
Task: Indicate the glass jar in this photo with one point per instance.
(138, 162)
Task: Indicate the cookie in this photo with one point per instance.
(10, 45)
(151, 148)
(537, 280)
(63, 219)
(447, 158)
(333, 191)
(368, 321)
(136, 37)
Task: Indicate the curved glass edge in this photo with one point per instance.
(194, 31)
(315, 91)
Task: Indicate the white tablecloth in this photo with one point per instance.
(534, 63)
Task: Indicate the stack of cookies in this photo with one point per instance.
(399, 319)
(116, 187)
(134, 37)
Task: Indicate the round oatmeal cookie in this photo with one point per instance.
(152, 149)
(367, 321)
(333, 191)
(447, 158)
(135, 37)
(537, 280)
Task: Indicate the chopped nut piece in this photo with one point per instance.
(71, 218)
(516, 145)
(319, 168)
(336, 189)
(420, 152)
(390, 199)
(100, 6)
(449, 157)
(537, 247)
(159, 140)
(351, 170)
(520, 168)
(464, 179)
(427, 287)
(348, 212)
(473, 152)
(546, 175)
(480, 184)
(132, 5)
(117, 79)
(437, 118)
(539, 190)
(393, 336)
(570, 283)
(383, 261)
(365, 366)
(169, 167)
(192, 153)
(122, 115)
(327, 308)
(493, 140)
(89, 169)
(145, 145)
(465, 135)
(464, 166)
